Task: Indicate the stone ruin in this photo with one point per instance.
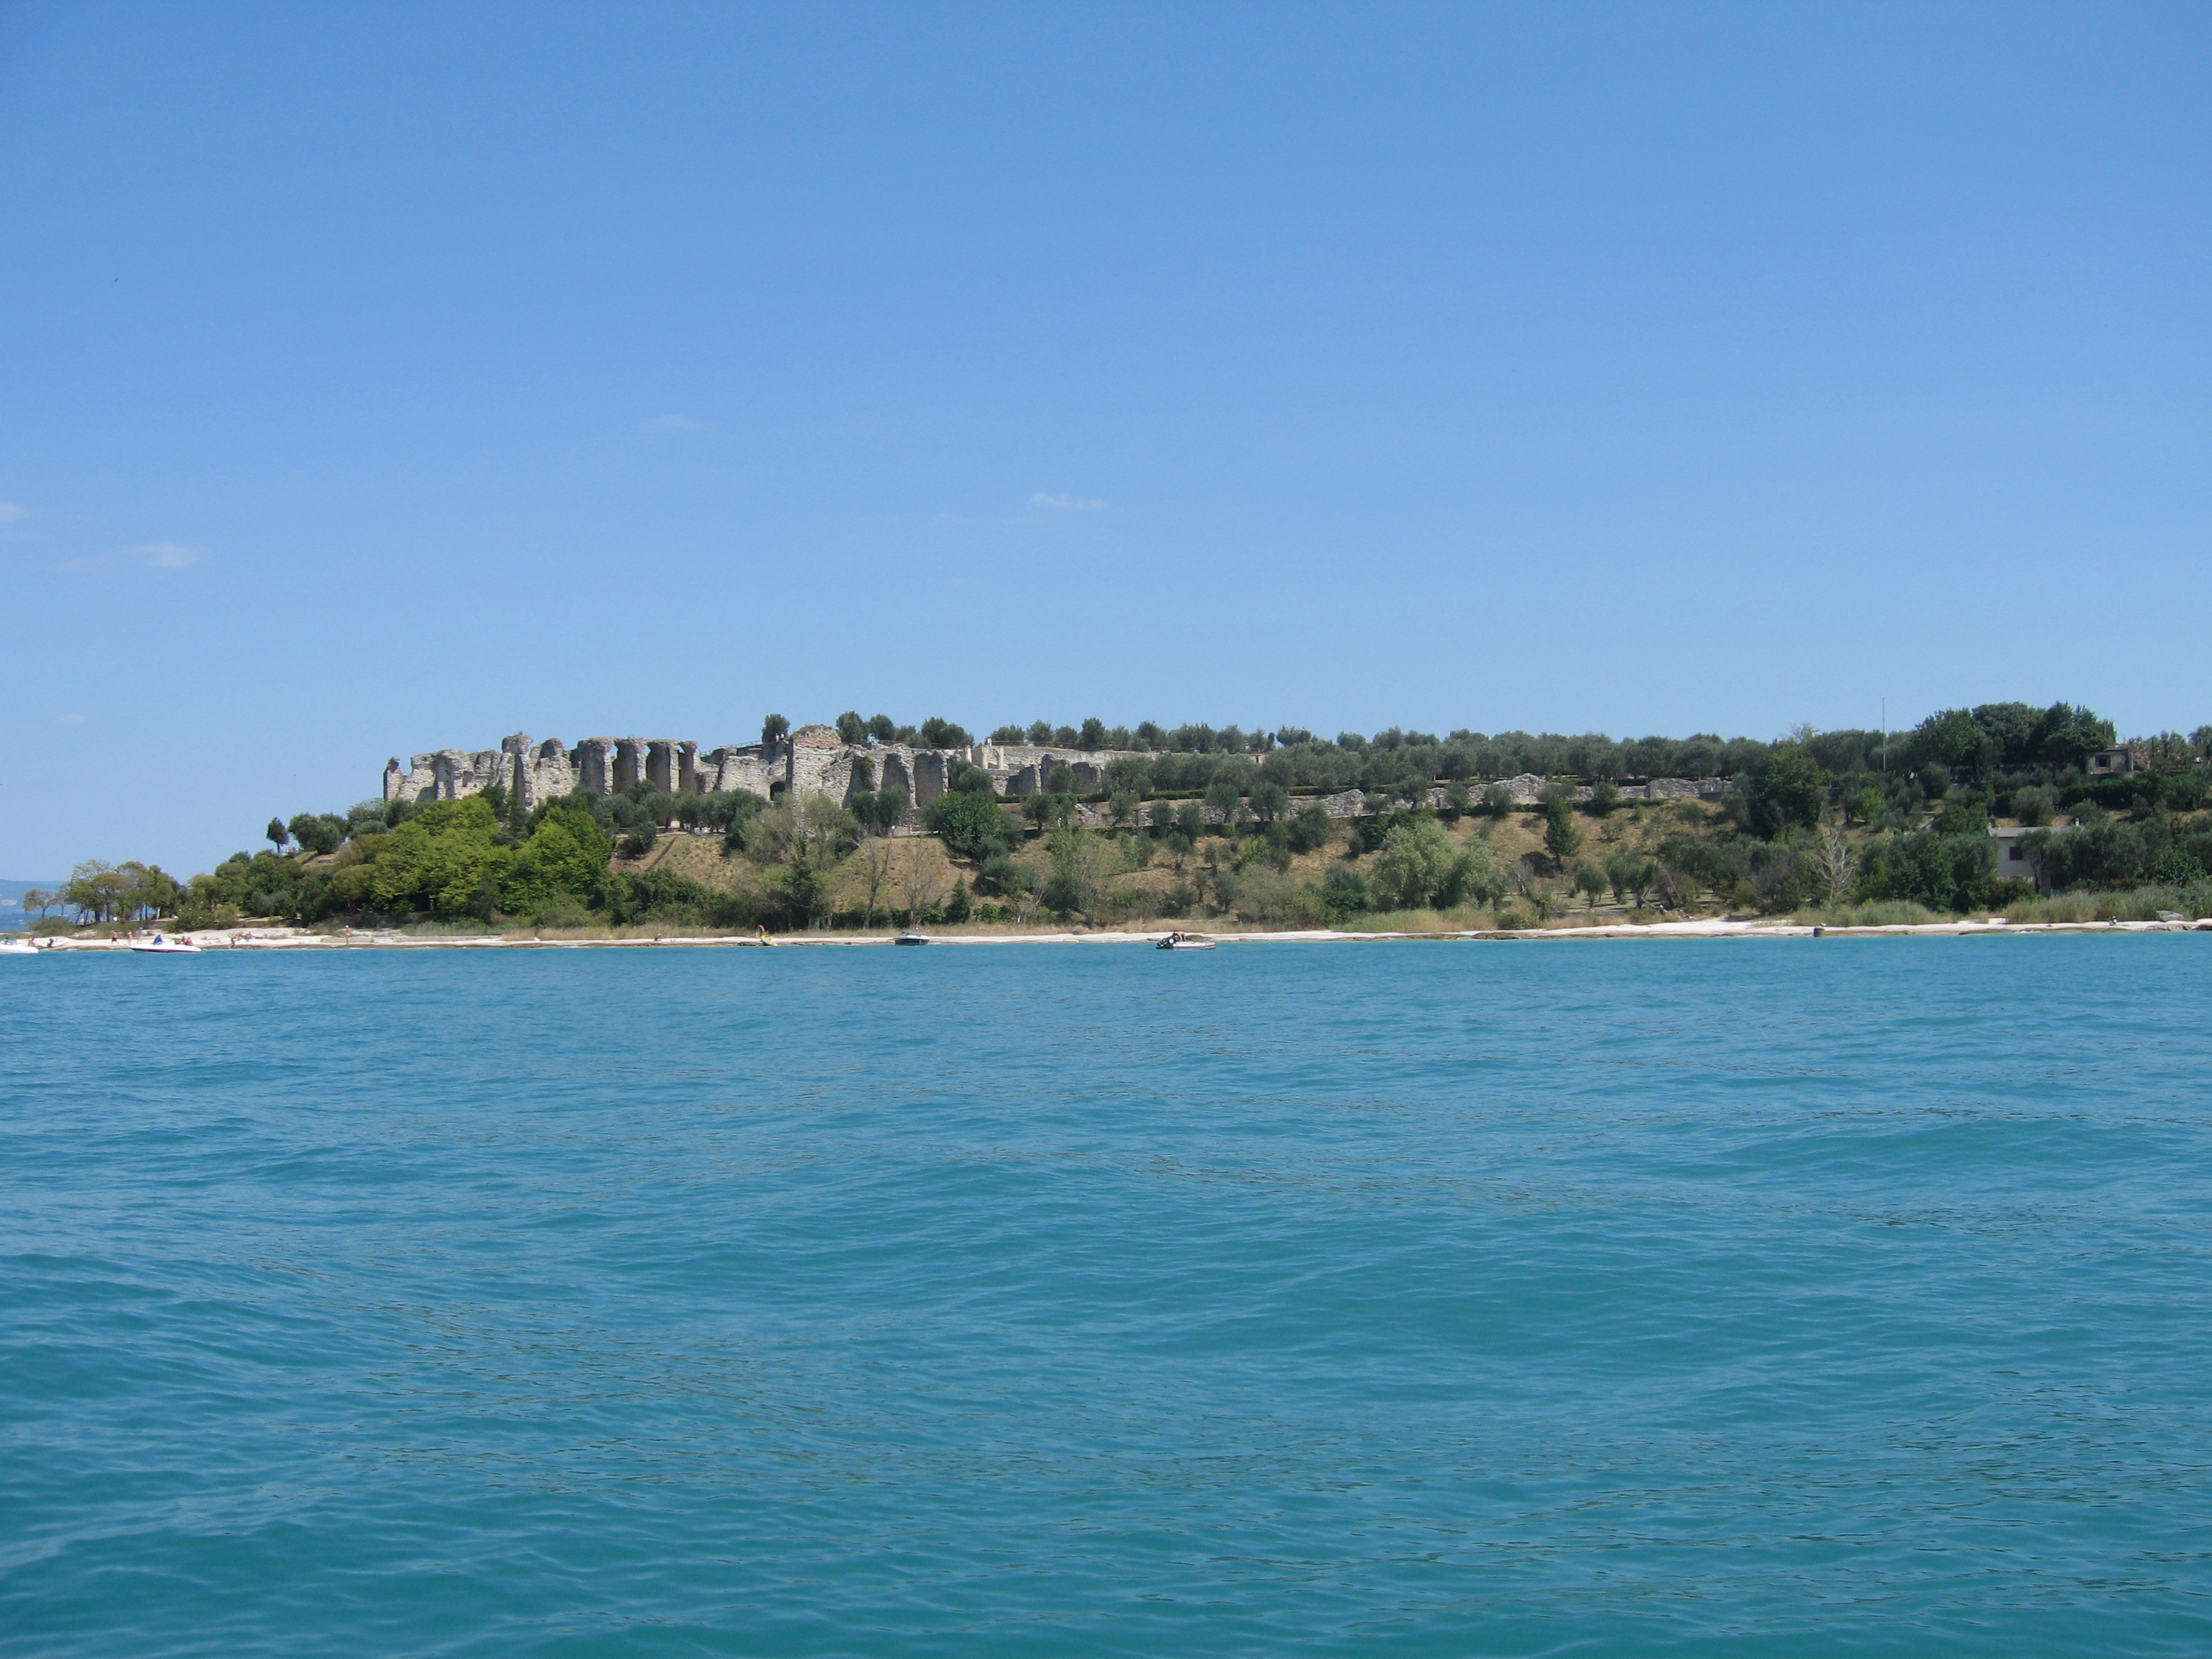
(814, 760)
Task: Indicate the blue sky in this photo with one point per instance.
(382, 379)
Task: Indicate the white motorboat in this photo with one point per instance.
(17, 947)
(161, 945)
(1184, 942)
(912, 936)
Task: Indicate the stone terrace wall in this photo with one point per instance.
(814, 760)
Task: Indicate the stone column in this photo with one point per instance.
(629, 762)
(516, 747)
(551, 776)
(446, 767)
(592, 771)
(928, 776)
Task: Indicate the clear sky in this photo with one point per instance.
(387, 378)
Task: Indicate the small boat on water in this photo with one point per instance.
(161, 945)
(18, 947)
(1184, 942)
(912, 936)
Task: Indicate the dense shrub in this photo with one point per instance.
(970, 825)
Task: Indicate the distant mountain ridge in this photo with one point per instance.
(11, 897)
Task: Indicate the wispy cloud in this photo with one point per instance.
(70, 720)
(153, 556)
(677, 424)
(1066, 503)
(11, 513)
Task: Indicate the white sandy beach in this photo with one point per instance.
(290, 939)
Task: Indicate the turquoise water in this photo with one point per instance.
(1739, 1299)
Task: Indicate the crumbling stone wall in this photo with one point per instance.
(814, 760)
(1021, 768)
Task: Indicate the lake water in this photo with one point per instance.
(1718, 1298)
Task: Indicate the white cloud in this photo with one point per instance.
(677, 424)
(11, 513)
(154, 555)
(70, 720)
(1066, 503)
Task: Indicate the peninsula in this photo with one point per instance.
(2033, 814)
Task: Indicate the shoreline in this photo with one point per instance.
(285, 938)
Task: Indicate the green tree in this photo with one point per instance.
(565, 855)
(1093, 734)
(970, 825)
(573, 852)
(774, 728)
(1006, 734)
(317, 833)
(277, 834)
(2007, 731)
(1473, 878)
(804, 886)
(95, 891)
(1625, 872)
(1589, 882)
(2067, 733)
(1787, 787)
(851, 727)
(1082, 863)
(1414, 862)
(1343, 891)
(1561, 838)
(1270, 801)
(440, 860)
(1962, 815)
(938, 733)
(1948, 739)
(1222, 796)
(880, 813)
(1310, 828)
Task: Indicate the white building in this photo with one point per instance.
(2015, 858)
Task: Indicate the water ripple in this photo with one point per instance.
(1781, 1299)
